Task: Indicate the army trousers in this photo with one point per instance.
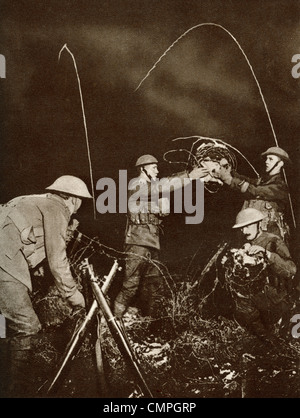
(142, 284)
(22, 327)
(261, 310)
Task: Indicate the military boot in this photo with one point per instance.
(3, 367)
(20, 374)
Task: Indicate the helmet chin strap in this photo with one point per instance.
(274, 166)
(147, 174)
(71, 204)
(258, 230)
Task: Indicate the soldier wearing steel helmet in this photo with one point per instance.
(142, 243)
(268, 194)
(34, 228)
(261, 304)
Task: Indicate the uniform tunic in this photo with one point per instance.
(270, 196)
(142, 243)
(32, 228)
(270, 299)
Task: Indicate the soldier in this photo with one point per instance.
(268, 195)
(142, 242)
(34, 228)
(262, 301)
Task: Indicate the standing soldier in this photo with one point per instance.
(142, 242)
(268, 195)
(34, 228)
(263, 299)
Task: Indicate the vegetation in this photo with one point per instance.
(194, 348)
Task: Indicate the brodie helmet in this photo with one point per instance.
(145, 160)
(279, 152)
(71, 185)
(247, 217)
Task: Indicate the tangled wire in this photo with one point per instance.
(210, 153)
(244, 274)
(214, 151)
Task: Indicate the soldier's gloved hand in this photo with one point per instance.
(224, 174)
(198, 173)
(77, 300)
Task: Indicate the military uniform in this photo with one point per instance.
(142, 245)
(32, 228)
(264, 303)
(269, 196)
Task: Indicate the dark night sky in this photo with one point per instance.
(202, 87)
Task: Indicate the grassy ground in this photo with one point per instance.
(193, 350)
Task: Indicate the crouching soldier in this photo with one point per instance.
(34, 228)
(261, 299)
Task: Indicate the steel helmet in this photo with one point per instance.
(247, 217)
(70, 185)
(279, 152)
(145, 160)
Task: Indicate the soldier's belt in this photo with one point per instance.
(143, 219)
